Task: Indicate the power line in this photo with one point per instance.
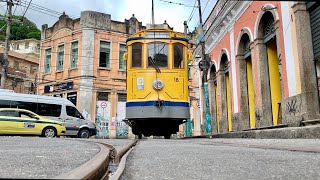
(43, 10)
(178, 3)
(26, 10)
(192, 12)
(205, 6)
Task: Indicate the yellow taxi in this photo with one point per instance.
(24, 122)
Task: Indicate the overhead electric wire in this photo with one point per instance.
(44, 10)
(192, 12)
(186, 5)
(205, 7)
(25, 10)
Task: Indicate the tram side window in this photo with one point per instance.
(178, 55)
(157, 54)
(136, 55)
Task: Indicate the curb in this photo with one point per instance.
(95, 168)
(304, 132)
(121, 167)
(124, 150)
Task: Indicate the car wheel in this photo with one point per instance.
(49, 132)
(84, 133)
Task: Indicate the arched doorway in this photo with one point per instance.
(213, 98)
(226, 89)
(267, 32)
(247, 86)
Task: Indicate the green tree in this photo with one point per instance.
(21, 28)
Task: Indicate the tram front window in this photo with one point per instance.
(157, 54)
(136, 55)
(178, 55)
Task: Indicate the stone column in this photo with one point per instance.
(264, 88)
(223, 101)
(212, 104)
(197, 120)
(309, 95)
(244, 105)
(278, 41)
(86, 70)
(113, 111)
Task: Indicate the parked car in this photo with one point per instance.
(54, 108)
(24, 122)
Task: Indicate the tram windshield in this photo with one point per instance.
(178, 55)
(157, 54)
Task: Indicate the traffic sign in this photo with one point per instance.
(103, 105)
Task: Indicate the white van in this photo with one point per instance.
(55, 108)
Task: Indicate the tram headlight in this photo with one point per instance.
(158, 84)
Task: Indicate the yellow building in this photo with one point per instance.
(81, 60)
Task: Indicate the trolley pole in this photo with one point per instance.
(5, 62)
(205, 66)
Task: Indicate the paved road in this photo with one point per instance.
(34, 157)
(224, 159)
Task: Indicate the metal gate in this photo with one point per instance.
(314, 10)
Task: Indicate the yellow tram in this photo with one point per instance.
(157, 81)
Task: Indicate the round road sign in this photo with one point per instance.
(103, 105)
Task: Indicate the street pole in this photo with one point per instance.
(5, 62)
(202, 42)
(205, 83)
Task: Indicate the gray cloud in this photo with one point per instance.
(119, 10)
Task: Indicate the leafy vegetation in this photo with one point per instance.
(20, 29)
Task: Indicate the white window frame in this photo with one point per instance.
(57, 60)
(70, 58)
(110, 53)
(45, 60)
(120, 57)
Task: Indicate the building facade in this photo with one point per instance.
(26, 46)
(81, 60)
(22, 72)
(263, 58)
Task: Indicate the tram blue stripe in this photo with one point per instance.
(154, 103)
(134, 38)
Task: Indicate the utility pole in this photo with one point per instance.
(152, 13)
(5, 62)
(204, 65)
(202, 43)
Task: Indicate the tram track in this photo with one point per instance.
(107, 164)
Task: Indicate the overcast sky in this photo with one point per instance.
(119, 10)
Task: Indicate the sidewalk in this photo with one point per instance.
(303, 132)
(42, 158)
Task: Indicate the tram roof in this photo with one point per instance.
(158, 31)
